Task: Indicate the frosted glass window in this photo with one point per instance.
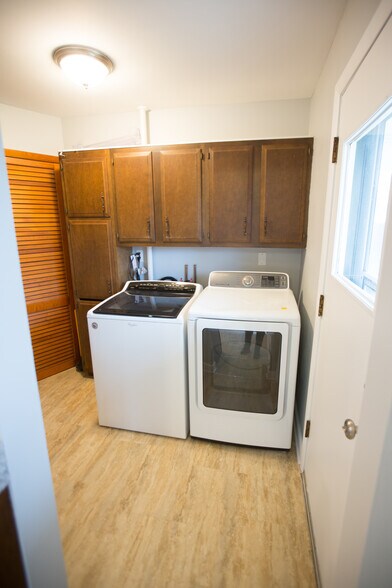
(363, 208)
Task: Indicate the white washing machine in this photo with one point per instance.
(243, 339)
(139, 352)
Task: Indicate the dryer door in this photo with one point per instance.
(242, 366)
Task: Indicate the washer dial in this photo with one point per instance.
(247, 281)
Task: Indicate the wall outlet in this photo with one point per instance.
(262, 259)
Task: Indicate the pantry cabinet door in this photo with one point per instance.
(82, 308)
(134, 197)
(86, 183)
(92, 258)
(285, 179)
(230, 172)
(178, 182)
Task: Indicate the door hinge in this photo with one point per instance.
(68, 226)
(307, 429)
(321, 305)
(335, 149)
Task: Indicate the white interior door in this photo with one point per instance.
(344, 345)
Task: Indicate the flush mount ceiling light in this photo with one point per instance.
(84, 65)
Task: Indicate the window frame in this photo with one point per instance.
(346, 242)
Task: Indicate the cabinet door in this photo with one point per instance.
(230, 193)
(285, 178)
(86, 183)
(92, 263)
(179, 188)
(134, 199)
(82, 308)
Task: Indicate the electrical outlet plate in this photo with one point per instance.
(262, 259)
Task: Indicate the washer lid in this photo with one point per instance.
(157, 299)
(246, 304)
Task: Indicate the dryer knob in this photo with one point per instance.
(248, 281)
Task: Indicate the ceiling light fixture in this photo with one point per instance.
(84, 65)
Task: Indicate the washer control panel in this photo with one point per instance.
(251, 280)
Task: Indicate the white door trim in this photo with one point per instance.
(374, 29)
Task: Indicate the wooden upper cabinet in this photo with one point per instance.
(91, 248)
(134, 196)
(284, 192)
(86, 183)
(178, 183)
(230, 173)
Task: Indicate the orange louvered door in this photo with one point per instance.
(35, 187)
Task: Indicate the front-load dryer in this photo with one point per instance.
(243, 339)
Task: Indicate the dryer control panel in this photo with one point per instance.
(251, 280)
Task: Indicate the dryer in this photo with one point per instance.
(243, 340)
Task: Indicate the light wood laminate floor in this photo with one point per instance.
(141, 510)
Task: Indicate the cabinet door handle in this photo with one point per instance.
(265, 225)
(245, 226)
(167, 227)
(148, 228)
(103, 203)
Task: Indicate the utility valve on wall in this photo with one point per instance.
(136, 266)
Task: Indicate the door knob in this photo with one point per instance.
(350, 428)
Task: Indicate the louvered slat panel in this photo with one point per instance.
(36, 198)
(55, 256)
(40, 334)
(29, 172)
(37, 223)
(28, 191)
(46, 242)
(47, 273)
(52, 288)
(47, 316)
(57, 342)
(58, 347)
(29, 163)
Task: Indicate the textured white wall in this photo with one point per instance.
(111, 130)
(25, 130)
(281, 118)
(255, 120)
(171, 261)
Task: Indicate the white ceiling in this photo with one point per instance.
(167, 53)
